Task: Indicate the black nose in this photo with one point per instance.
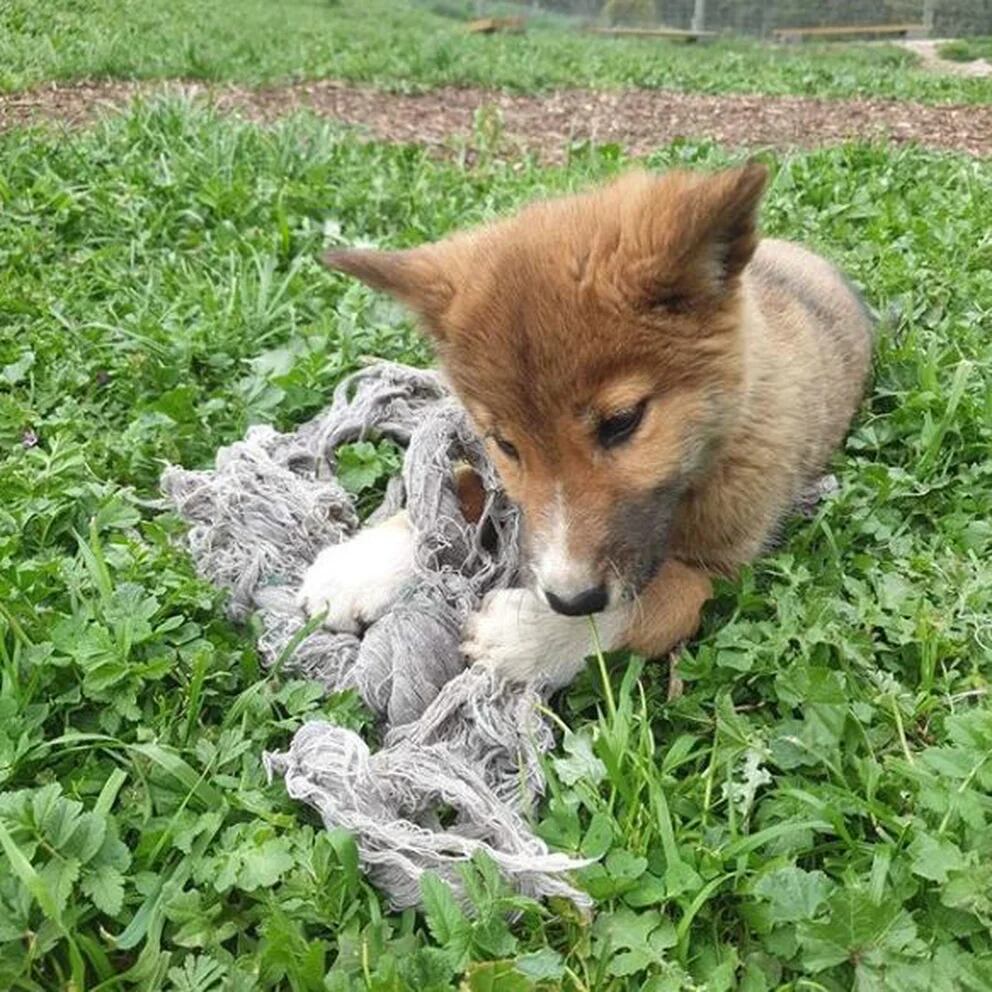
(591, 601)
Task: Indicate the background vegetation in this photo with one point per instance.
(812, 814)
(759, 17)
(399, 46)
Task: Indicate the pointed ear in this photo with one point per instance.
(414, 277)
(729, 217)
(701, 232)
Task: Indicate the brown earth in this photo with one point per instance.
(639, 120)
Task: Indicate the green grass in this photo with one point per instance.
(813, 814)
(966, 49)
(390, 43)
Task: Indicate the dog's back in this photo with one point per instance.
(815, 316)
(808, 352)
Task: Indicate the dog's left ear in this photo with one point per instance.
(701, 232)
(415, 277)
(722, 219)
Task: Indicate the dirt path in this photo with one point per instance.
(929, 53)
(639, 120)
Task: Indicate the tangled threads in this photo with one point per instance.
(456, 739)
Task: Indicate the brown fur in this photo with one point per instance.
(751, 358)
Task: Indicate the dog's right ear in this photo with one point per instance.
(688, 235)
(415, 277)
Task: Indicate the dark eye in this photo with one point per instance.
(508, 449)
(618, 428)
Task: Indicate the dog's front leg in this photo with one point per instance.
(355, 582)
(669, 610)
(517, 634)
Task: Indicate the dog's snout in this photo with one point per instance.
(592, 600)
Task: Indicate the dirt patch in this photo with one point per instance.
(638, 120)
(73, 104)
(929, 53)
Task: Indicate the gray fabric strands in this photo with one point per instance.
(454, 738)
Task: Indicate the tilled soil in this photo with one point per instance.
(638, 120)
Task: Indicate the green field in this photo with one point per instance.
(391, 44)
(813, 813)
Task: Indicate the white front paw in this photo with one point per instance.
(357, 581)
(519, 636)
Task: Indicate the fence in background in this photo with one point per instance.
(938, 18)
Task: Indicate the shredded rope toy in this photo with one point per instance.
(454, 738)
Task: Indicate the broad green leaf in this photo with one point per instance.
(496, 976)
(935, 857)
(429, 968)
(854, 926)
(631, 962)
(58, 876)
(649, 890)
(634, 940)
(581, 765)
(32, 881)
(793, 894)
(543, 965)
(970, 891)
(105, 886)
(625, 867)
(598, 836)
(263, 865)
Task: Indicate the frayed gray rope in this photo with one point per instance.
(454, 738)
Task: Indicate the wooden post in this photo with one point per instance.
(929, 7)
(699, 16)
